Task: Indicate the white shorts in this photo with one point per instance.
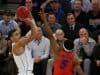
(25, 73)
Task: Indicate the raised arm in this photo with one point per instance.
(24, 41)
(53, 42)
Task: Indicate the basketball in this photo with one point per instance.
(22, 12)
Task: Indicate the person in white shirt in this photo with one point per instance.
(40, 51)
(21, 53)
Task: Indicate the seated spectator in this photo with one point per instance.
(86, 5)
(3, 50)
(40, 51)
(59, 34)
(94, 16)
(80, 15)
(84, 49)
(71, 28)
(54, 7)
(7, 24)
(53, 24)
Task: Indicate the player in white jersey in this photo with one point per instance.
(21, 53)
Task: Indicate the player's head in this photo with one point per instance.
(14, 35)
(68, 45)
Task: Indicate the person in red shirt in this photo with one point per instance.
(65, 61)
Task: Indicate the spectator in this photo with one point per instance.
(86, 5)
(40, 51)
(71, 28)
(55, 7)
(84, 49)
(80, 15)
(94, 16)
(59, 34)
(3, 48)
(53, 24)
(7, 24)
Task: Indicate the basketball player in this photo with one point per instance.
(65, 61)
(21, 53)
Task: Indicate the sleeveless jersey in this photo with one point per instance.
(24, 62)
(64, 64)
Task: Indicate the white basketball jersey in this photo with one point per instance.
(24, 62)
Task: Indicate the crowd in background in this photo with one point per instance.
(76, 20)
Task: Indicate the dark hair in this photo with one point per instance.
(7, 13)
(50, 13)
(68, 44)
(88, 31)
(68, 14)
(11, 33)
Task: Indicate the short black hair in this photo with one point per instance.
(11, 33)
(7, 13)
(68, 14)
(68, 44)
(50, 13)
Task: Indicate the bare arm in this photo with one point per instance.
(17, 48)
(77, 67)
(53, 42)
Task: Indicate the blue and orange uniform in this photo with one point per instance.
(64, 64)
